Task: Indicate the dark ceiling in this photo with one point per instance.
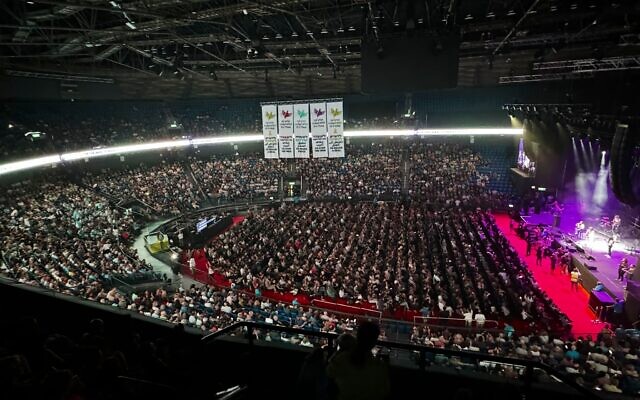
(201, 48)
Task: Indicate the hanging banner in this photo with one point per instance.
(301, 130)
(285, 130)
(335, 128)
(318, 113)
(270, 130)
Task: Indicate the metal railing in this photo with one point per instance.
(488, 324)
(422, 351)
(361, 310)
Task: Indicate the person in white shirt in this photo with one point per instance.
(468, 317)
(480, 319)
(192, 265)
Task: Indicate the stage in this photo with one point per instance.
(591, 256)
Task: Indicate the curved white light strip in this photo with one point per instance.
(77, 155)
(437, 132)
(27, 164)
(106, 151)
(227, 139)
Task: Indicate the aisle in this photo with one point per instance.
(557, 285)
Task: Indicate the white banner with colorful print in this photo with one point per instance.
(285, 130)
(335, 128)
(301, 130)
(270, 130)
(318, 113)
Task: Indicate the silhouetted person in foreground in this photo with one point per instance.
(356, 373)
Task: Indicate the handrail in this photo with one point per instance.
(252, 295)
(382, 321)
(211, 208)
(415, 317)
(530, 365)
(365, 310)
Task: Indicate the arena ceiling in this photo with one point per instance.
(231, 48)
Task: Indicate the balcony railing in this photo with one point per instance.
(528, 366)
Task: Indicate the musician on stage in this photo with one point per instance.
(615, 224)
(580, 228)
(622, 269)
(610, 244)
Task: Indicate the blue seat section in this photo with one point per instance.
(499, 155)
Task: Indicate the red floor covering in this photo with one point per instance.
(557, 285)
(338, 305)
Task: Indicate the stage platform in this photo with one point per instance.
(591, 258)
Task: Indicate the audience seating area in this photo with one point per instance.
(166, 188)
(249, 176)
(438, 252)
(366, 171)
(388, 257)
(66, 238)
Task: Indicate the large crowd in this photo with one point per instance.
(366, 171)
(606, 362)
(420, 171)
(388, 255)
(81, 125)
(441, 256)
(66, 238)
(446, 175)
(166, 188)
(249, 176)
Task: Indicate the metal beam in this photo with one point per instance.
(61, 77)
(513, 30)
(591, 64)
(556, 76)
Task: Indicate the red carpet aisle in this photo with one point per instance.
(556, 285)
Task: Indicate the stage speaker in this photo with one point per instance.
(622, 162)
(591, 267)
(556, 221)
(579, 249)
